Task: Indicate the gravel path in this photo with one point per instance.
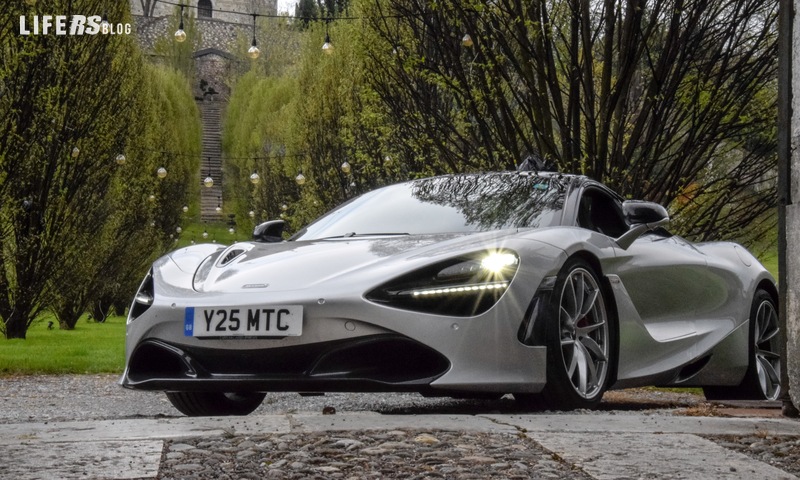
(417, 453)
(51, 398)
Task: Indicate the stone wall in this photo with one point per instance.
(220, 53)
(213, 71)
(224, 37)
(215, 34)
(218, 7)
(792, 274)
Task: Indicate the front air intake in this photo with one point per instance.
(143, 299)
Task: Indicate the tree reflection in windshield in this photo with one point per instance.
(448, 204)
(496, 201)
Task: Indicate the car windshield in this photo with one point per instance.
(449, 204)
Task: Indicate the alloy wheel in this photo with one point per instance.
(768, 361)
(584, 333)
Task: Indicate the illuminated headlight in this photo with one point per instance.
(463, 286)
(497, 262)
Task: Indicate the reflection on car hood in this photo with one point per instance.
(295, 265)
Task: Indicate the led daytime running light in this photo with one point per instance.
(460, 289)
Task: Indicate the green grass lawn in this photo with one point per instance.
(89, 348)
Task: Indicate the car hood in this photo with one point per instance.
(285, 266)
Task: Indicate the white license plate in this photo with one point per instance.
(246, 321)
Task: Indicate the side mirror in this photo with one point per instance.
(638, 212)
(269, 232)
(641, 216)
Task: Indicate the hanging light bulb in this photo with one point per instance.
(152, 198)
(284, 207)
(300, 178)
(162, 172)
(219, 204)
(205, 234)
(346, 167)
(253, 52)
(179, 230)
(153, 224)
(208, 182)
(75, 152)
(387, 159)
(254, 178)
(180, 35)
(327, 47)
(120, 159)
(466, 40)
(252, 214)
(231, 230)
(185, 208)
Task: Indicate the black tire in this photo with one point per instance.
(580, 340)
(210, 404)
(762, 381)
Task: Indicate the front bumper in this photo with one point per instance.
(371, 363)
(347, 344)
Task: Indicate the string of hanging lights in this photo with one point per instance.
(253, 52)
(208, 181)
(279, 156)
(267, 15)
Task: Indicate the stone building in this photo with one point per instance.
(207, 9)
(222, 25)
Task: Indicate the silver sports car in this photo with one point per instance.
(544, 285)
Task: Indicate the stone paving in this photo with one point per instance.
(86, 426)
(369, 445)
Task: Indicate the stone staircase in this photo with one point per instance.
(211, 162)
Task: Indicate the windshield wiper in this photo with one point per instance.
(376, 234)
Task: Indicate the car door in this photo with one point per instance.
(659, 283)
